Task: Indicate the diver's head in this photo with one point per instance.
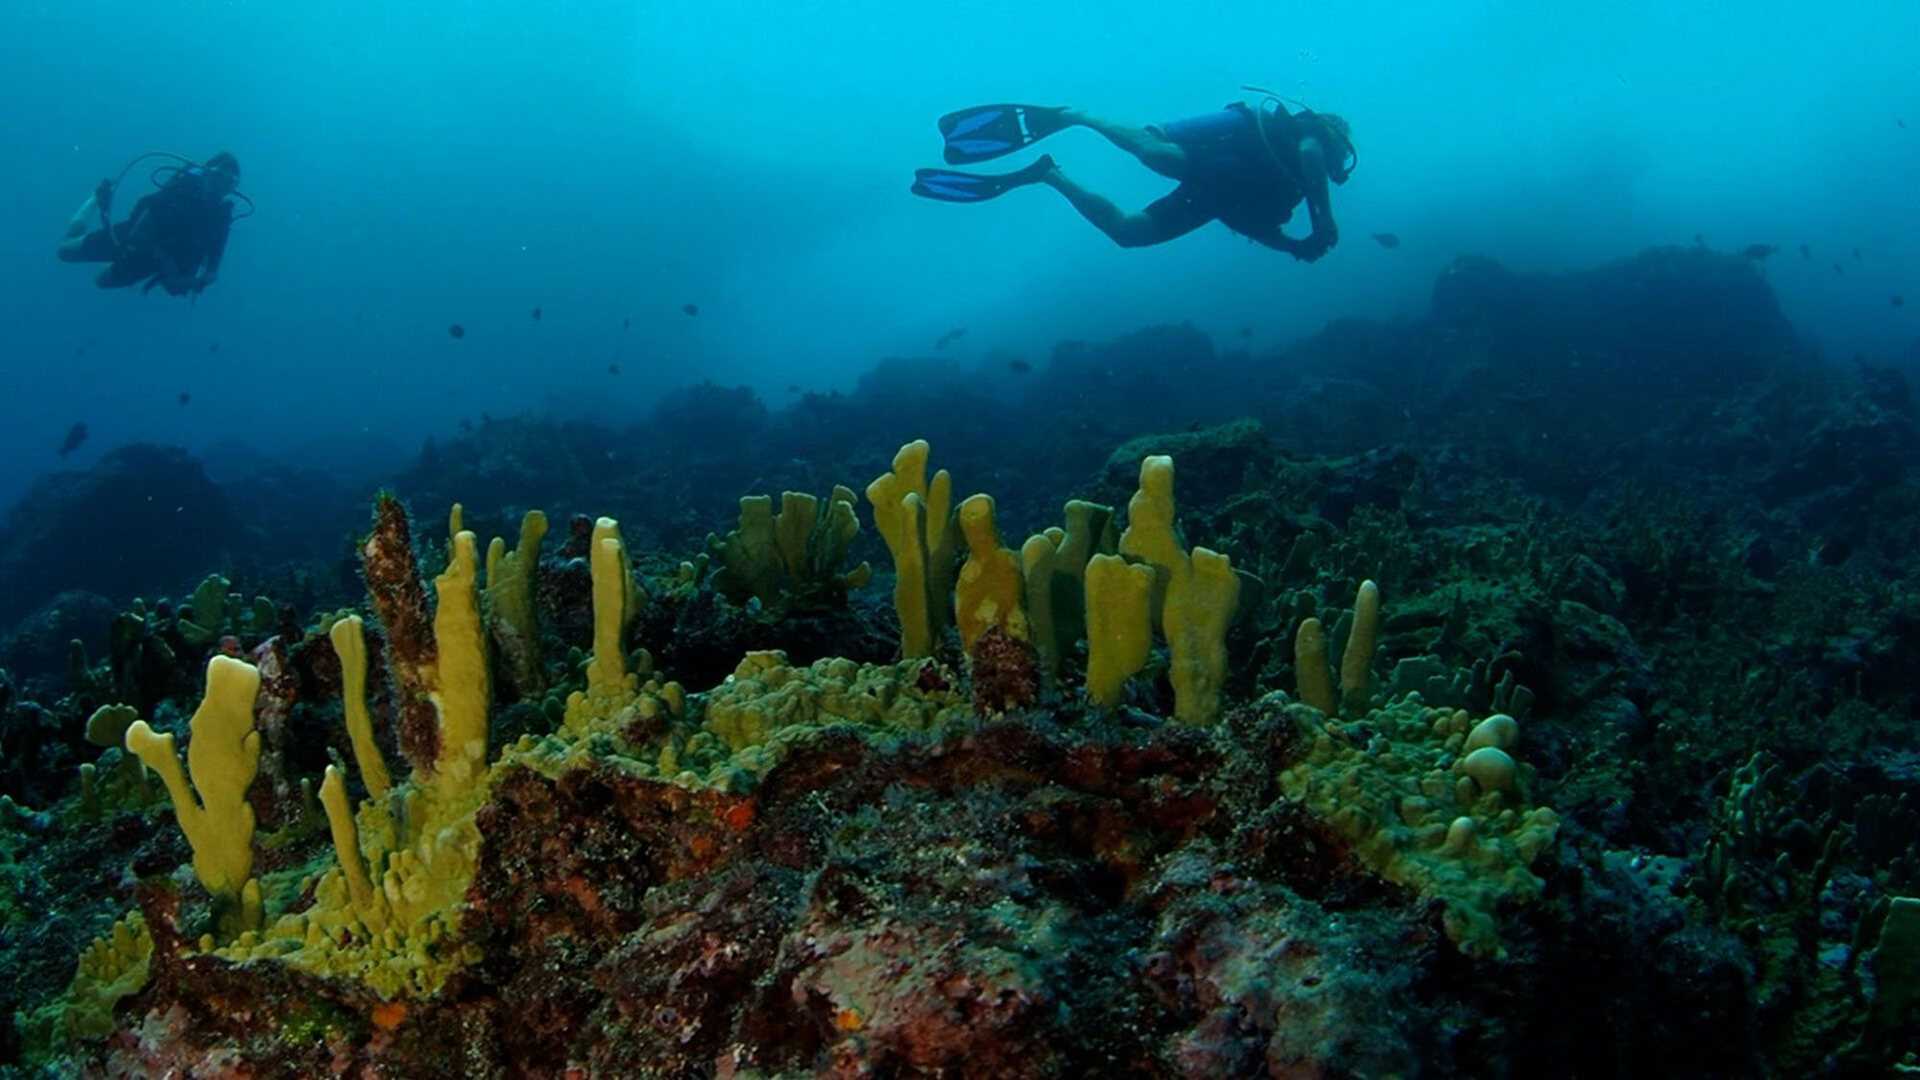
(223, 171)
(1337, 136)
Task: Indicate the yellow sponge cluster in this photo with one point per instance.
(1429, 800)
(915, 519)
(1194, 596)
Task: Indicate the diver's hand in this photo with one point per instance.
(1312, 248)
(178, 284)
(200, 283)
(1280, 241)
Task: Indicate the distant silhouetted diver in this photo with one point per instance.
(174, 238)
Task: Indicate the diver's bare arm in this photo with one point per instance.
(1313, 169)
(1278, 241)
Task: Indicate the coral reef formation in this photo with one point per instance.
(1415, 735)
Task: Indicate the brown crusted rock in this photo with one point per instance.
(400, 599)
(1006, 674)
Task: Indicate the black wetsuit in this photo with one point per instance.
(1233, 175)
(171, 236)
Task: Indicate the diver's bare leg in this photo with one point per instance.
(84, 220)
(1155, 151)
(1126, 229)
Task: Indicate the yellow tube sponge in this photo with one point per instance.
(223, 756)
(1194, 596)
(462, 692)
(752, 555)
(350, 644)
(1356, 662)
(915, 519)
(1119, 625)
(1150, 536)
(346, 848)
(1055, 566)
(1040, 565)
(1312, 681)
(1201, 602)
(613, 597)
(510, 604)
(988, 593)
(792, 528)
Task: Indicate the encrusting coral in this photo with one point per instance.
(1429, 800)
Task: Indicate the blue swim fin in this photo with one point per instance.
(985, 132)
(950, 186)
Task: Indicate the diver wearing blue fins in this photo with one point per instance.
(175, 236)
(1245, 166)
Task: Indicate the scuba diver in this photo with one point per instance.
(1244, 166)
(174, 238)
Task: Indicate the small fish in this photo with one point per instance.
(1246, 331)
(1839, 270)
(76, 435)
(1806, 253)
(1897, 300)
(626, 323)
(213, 347)
(1902, 123)
(1699, 240)
(536, 314)
(690, 309)
(1019, 367)
(613, 369)
(1758, 252)
(1856, 255)
(1387, 240)
(184, 398)
(457, 331)
(949, 337)
(793, 388)
(466, 426)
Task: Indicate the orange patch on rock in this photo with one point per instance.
(739, 816)
(388, 1014)
(848, 1020)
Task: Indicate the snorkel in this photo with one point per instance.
(1332, 129)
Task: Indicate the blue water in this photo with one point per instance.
(421, 165)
